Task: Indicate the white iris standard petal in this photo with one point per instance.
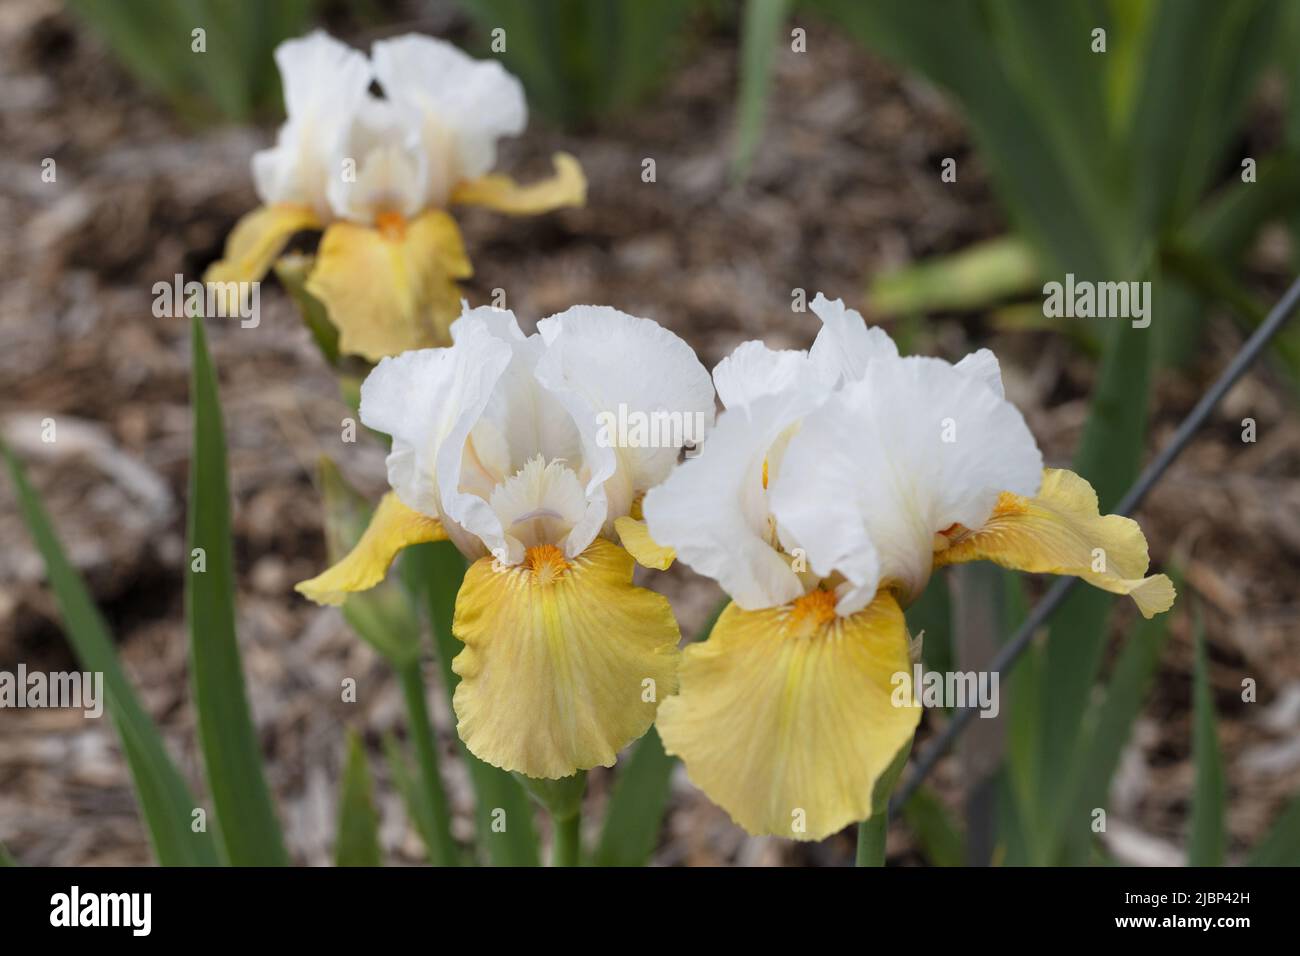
(465, 105)
(913, 447)
(636, 391)
(846, 343)
(491, 434)
(713, 510)
(428, 401)
(325, 82)
(983, 365)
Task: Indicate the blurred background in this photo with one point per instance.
(797, 146)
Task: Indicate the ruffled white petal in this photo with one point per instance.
(912, 448)
(466, 105)
(387, 171)
(636, 392)
(845, 343)
(753, 370)
(983, 365)
(522, 419)
(497, 435)
(324, 81)
(428, 401)
(713, 509)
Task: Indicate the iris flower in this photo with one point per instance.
(834, 483)
(501, 443)
(376, 174)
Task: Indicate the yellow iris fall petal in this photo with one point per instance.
(568, 187)
(564, 660)
(636, 539)
(257, 241)
(392, 288)
(1060, 531)
(392, 528)
(787, 716)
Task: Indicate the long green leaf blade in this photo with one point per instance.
(417, 804)
(636, 806)
(165, 801)
(933, 827)
(246, 819)
(763, 21)
(1207, 838)
(1281, 845)
(358, 839)
(1108, 458)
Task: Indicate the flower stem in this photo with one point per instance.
(871, 838)
(567, 840)
(443, 849)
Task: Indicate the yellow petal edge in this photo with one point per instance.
(257, 241)
(392, 528)
(636, 539)
(567, 187)
(786, 717)
(1060, 531)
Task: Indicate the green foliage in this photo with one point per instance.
(292, 270)
(1205, 845)
(358, 838)
(165, 801)
(762, 26)
(579, 59)
(1281, 845)
(636, 805)
(384, 616)
(245, 818)
(929, 820)
(1095, 155)
(233, 77)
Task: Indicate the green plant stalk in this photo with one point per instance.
(871, 838)
(872, 831)
(568, 840)
(443, 849)
(562, 800)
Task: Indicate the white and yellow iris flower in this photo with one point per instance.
(377, 174)
(501, 444)
(835, 481)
